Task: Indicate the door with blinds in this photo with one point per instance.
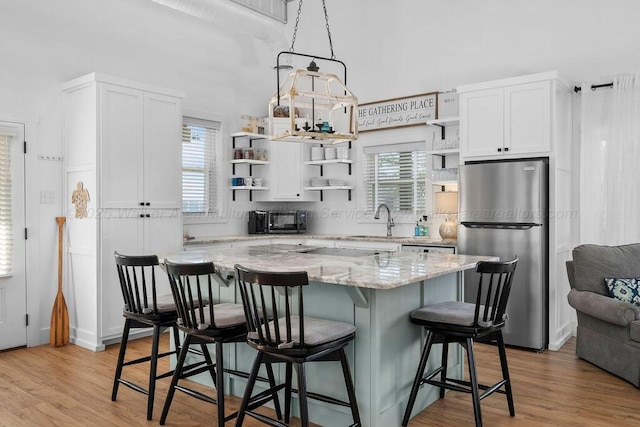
(13, 300)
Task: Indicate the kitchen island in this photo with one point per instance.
(375, 291)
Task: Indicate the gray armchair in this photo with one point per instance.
(608, 329)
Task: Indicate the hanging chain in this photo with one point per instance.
(326, 18)
(295, 29)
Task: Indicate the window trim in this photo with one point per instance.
(222, 167)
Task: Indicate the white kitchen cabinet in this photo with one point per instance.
(138, 147)
(287, 174)
(131, 235)
(506, 118)
(122, 144)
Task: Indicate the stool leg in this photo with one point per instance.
(249, 389)
(505, 374)
(445, 361)
(418, 379)
(153, 370)
(220, 383)
(473, 379)
(123, 349)
(176, 339)
(272, 384)
(287, 392)
(302, 394)
(176, 377)
(350, 388)
(209, 362)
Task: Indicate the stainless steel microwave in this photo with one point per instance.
(273, 222)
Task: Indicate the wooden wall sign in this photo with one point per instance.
(80, 198)
(397, 112)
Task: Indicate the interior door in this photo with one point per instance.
(13, 295)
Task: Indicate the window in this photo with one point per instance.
(200, 168)
(6, 226)
(396, 175)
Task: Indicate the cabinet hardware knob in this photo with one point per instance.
(141, 216)
(141, 203)
(148, 204)
(499, 149)
(506, 148)
(148, 215)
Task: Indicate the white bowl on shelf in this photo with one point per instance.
(330, 153)
(317, 153)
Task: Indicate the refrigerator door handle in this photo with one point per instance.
(501, 225)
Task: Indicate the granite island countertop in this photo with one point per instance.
(383, 270)
(415, 240)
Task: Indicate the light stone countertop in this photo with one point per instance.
(366, 238)
(386, 270)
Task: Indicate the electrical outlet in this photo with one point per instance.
(47, 197)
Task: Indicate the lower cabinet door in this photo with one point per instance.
(157, 234)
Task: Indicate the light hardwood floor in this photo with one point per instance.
(71, 386)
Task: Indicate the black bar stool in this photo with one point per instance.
(143, 308)
(280, 336)
(464, 323)
(205, 322)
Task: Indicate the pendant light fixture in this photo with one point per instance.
(310, 106)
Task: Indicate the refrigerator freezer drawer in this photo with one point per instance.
(527, 325)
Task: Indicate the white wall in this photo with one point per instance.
(391, 49)
(46, 43)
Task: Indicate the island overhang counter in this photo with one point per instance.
(375, 292)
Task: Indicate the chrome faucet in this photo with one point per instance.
(389, 219)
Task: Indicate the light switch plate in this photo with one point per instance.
(47, 197)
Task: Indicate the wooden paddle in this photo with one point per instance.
(59, 333)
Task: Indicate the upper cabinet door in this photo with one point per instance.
(121, 135)
(162, 151)
(527, 120)
(286, 176)
(481, 122)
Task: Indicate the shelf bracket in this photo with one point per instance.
(356, 295)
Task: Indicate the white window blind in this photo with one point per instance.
(6, 226)
(396, 175)
(200, 177)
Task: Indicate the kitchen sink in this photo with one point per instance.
(367, 236)
(349, 252)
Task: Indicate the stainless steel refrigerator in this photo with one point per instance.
(504, 212)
